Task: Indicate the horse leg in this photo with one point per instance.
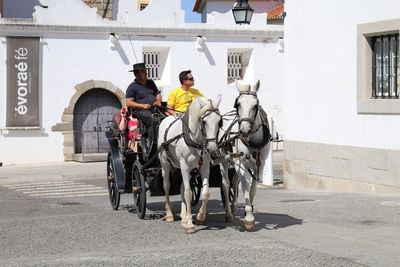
(249, 221)
(169, 217)
(225, 187)
(205, 192)
(254, 183)
(189, 227)
(183, 206)
(253, 190)
(235, 186)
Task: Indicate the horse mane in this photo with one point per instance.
(195, 111)
(245, 88)
(242, 87)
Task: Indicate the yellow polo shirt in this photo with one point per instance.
(181, 99)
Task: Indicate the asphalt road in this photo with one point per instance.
(59, 215)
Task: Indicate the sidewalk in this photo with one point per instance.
(76, 170)
(52, 171)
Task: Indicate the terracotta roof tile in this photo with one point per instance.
(276, 13)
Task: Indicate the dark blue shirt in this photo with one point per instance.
(143, 94)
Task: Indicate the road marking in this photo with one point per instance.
(75, 195)
(77, 186)
(85, 189)
(391, 203)
(102, 190)
(56, 189)
(38, 184)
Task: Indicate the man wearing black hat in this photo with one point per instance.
(141, 96)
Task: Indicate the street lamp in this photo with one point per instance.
(242, 12)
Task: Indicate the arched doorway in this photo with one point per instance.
(92, 114)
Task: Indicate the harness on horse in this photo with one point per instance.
(265, 128)
(188, 136)
(227, 141)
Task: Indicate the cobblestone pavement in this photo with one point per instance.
(43, 223)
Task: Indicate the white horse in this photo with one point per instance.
(193, 136)
(250, 144)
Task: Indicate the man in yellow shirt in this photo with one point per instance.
(180, 98)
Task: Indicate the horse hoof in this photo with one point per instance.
(200, 222)
(228, 219)
(190, 230)
(249, 225)
(200, 219)
(233, 209)
(169, 219)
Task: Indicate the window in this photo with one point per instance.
(142, 6)
(158, 64)
(385, 54)
(235, 66)
(238, 64)
(377, 67)
(152, 61)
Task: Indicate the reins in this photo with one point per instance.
(229, 138)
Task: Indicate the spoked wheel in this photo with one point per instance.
(231, 193)
(139, 189)
(112, 184)
(196, 183)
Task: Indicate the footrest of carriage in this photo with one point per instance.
(226, 157)
(129, 153)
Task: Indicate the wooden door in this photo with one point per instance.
(92, 111)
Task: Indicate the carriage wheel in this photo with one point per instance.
(196, 183)
(113, 192)
(139, 195)
(231, 193)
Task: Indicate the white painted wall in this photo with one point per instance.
(70, 59)
(157, 13)
(66, 12)
(320, 74)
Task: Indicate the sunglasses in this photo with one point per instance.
(190, 79)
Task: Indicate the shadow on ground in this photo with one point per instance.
(215, 219)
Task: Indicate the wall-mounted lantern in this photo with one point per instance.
(200, 42)
(242, 12)
(113, 42)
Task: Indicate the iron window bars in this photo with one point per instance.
(151, 59)
(235, 66)
(385, 70)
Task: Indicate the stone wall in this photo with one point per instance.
(316, 166)
(104, 7)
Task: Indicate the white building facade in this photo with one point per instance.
(82, 70)
(341, 104)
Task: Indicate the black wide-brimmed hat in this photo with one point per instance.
(138, 66)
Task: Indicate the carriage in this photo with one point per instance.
(139, 173)
(239, 155)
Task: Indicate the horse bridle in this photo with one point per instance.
(187, 133)
(207, 113)
(236, 105)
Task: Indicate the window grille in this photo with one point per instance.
(152, 61)
(385, 56)
(142, 6)
(235, 66)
